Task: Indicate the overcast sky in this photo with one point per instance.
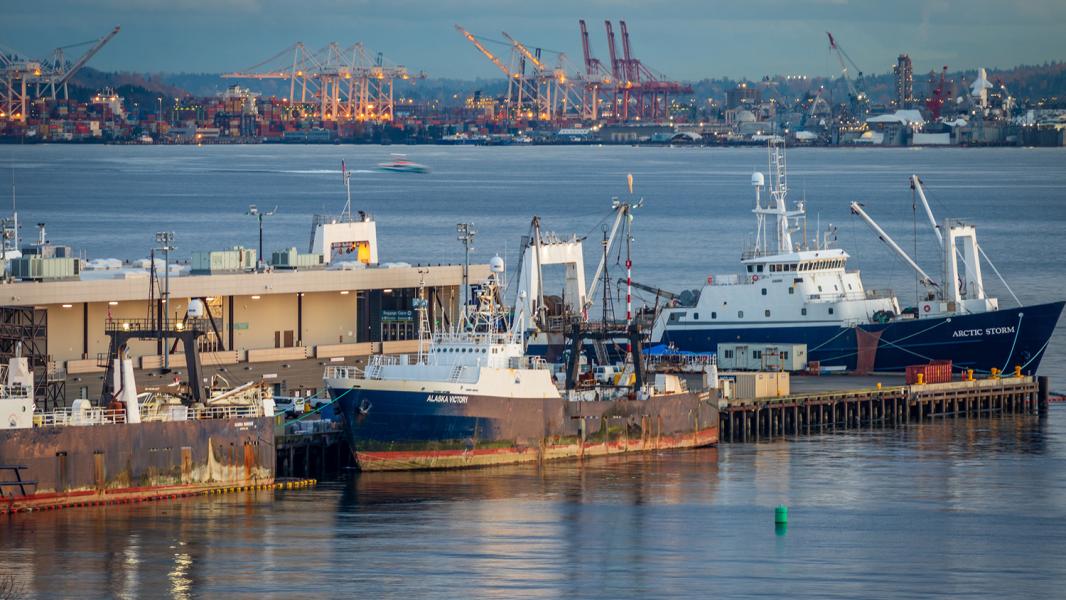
(685, 39)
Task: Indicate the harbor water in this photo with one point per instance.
(950, 509)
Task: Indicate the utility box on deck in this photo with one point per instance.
(762, 357)
(751, 385)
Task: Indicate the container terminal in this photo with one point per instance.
(346, 92)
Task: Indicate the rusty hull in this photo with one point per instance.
(94, 464)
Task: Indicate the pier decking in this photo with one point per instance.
(894, 406)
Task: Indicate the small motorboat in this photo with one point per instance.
(402, 165)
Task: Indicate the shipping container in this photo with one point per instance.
(935, 372)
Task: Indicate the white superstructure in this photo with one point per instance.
(483, 355)
(783, 282)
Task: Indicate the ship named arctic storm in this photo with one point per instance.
(793, 293)
(472, 398)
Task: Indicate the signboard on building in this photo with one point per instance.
(396, 315)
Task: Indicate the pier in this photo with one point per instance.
(811, 413)
(311, 444)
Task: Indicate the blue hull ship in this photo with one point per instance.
(803, 293)
(1000, 339)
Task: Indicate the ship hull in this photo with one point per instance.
(999, 339)
(106, 464)
(404, 430)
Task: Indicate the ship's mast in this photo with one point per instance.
(346, 214)
(420, 305)
(778, 206)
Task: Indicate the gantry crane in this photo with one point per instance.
(935, 103)
(62, 74)
(334, 83)
(18, 73)
(596, 77)
(543, 95)
(639, 92)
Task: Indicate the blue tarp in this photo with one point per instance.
(665, 350)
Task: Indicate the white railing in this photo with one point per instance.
(64, 417)
(381, 360)
(68, 417)
(476, 339)
(335, 372)
(226, 412)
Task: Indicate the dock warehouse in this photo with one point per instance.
(282, 325)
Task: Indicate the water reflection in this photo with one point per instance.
(958, 508)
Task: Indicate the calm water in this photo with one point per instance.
(966, 509)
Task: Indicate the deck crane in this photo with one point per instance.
(64, 74)
(856, 89)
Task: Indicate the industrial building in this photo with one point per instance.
(282, 321)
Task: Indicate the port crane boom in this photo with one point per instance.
(73, 70)
(856, 90)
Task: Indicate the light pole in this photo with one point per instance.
(466, 236)
(165, 240)
(255, 212)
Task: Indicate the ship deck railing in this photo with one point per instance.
(65, 417)
(476, 338)
(226, 412)
(69, 417)
(339, 372)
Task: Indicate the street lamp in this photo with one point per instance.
(259, 214)
(165, 241)
(466, 235)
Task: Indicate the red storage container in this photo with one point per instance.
(938, 371)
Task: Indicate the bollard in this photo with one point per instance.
(969, 374)
(921, 379)
(878, 385)
(1017, 371)
(994, 373)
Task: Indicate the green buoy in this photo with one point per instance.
(781, 515)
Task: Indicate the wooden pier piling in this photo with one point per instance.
(828, 412)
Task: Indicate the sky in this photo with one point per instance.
(684, 39)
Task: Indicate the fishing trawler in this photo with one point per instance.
(797, 293)
(472, 397)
